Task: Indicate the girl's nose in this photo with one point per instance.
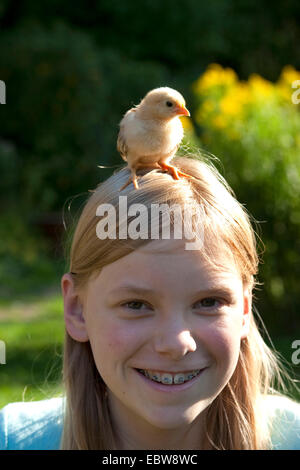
(175, 342)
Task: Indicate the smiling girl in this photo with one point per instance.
(162, 349)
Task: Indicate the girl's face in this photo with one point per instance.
(172, 316)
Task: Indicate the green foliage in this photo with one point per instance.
(253, 128)
(26, 262)
(72, 71)
(68, 97)
(185, 36)
(33, 334)
(9, 167)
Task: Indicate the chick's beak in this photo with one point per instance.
(182, 111)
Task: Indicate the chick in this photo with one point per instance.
(151, 132)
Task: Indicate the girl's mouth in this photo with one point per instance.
(168, 378)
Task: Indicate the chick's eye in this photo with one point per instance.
(169, 104)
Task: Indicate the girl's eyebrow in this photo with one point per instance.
(132, 289)
(219, 290)
(222, 291)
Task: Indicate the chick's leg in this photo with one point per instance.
(131, 179)
(174, 171)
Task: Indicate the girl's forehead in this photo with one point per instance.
(175, 252)
(170, 258)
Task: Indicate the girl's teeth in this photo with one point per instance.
(169, 379)
(166, 379)
(154, 376)
(190, 375)
(179, 378)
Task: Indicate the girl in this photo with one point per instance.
(162, 350)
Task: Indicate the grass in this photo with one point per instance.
(31, 312)
(33, 332)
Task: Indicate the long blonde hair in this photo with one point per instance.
(234, 419)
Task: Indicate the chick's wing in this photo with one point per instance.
(122, 145)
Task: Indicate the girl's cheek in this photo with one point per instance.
(221, 341)
(117, 338)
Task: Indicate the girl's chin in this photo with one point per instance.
(172, 419)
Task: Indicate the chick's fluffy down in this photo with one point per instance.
(142, 138)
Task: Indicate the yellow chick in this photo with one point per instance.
(151, 132)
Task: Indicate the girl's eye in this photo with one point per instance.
(135, 305)
(210, 302)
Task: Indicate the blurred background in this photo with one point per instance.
(71, 71)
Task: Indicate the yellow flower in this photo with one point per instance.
(219, 122)
(215, 75)
(260, 87)
(284, 91)
(230, 106)
(284, 85)
(234, 101)
(288, 75)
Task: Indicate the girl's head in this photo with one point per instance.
(139, 312)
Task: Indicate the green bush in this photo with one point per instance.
(65, 98)
(27, 262)
(253, 127)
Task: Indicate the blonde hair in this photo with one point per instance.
(234, 419)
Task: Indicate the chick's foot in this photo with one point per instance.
(175, 173)
(130, 180)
